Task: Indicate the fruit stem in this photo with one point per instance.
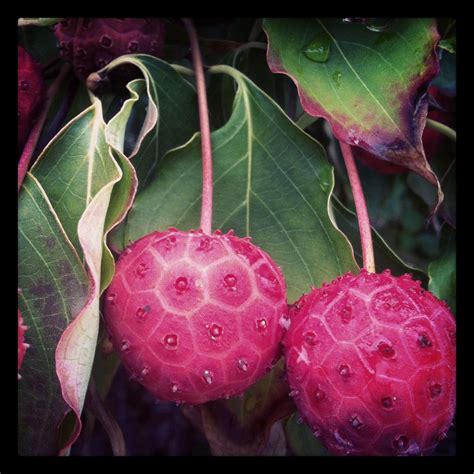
(441, 128)
(33, 137)
(206, 150)
(361, 208)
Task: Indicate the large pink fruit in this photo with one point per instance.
(30, 94)
(196, 317)
(371, 361)
(91, 43)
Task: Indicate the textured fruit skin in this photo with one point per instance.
(432, 139)
(22, 346)
(91, 43)
(196, 317)
(371, 362)
(30, 94)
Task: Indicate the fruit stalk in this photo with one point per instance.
(35, 133)
(361, 209)
(206, 150)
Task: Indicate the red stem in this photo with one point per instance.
(33, 137)
(361, 208)
(206, 150)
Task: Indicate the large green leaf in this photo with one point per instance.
(370, 86)
(442, 271)
(53, 286)
(91, 185)
(271, 182)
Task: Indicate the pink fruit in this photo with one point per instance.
(91, 43)
(196, 317)
(22, 346)
(432, 139)
(371, 360)
(30, 94)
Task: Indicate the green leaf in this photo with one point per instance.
(39, 42)
(442, 271)
(271, 181)
(81, 170)
(301, 439)
(385, 257)
(371, 86)
(74, 167)
(53, 286)
(172, 115)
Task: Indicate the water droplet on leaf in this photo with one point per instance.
(319, 48)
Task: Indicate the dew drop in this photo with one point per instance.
(243, 365)
(355, 422)
(336, 77)
(346, 314)
(125, 345)
(316, 432)
(171, 341)
(344, 370)
(387, 402)
(24, 86)
(319, 48)
(111, 298)
(145, 371)
(141, 270)
(261, 325)
(207, 376)
(435, 390)
(174, 388)
(386, 350)
(424, 341)
(215, 331)
(181, 284)
(293, 393)
(310, 338)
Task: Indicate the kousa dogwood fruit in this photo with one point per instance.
(371, 361)
(89, 44)
(22, 345)
(196, 317)
(30, 94)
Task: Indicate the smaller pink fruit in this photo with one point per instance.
(371, 362)
(89, 44)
